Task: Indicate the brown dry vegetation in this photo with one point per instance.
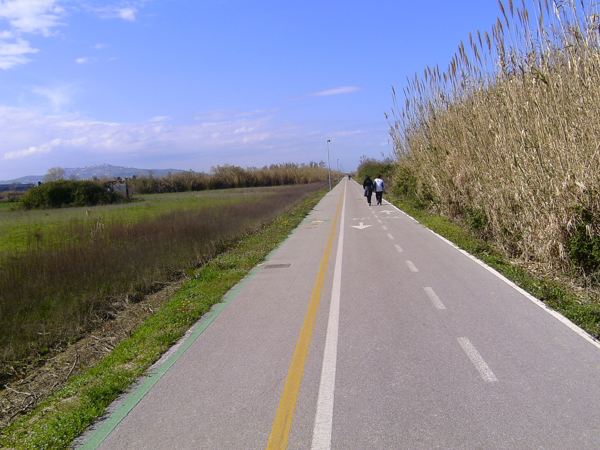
(11, 196)
(227, 176)
(508, 139)
(27, 384)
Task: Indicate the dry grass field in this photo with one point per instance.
(64, 272)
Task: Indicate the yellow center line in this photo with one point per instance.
(278, 438)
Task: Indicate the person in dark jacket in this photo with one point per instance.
(368, 187)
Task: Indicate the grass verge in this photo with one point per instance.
(583, 312)
(58, 420)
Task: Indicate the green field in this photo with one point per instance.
(21, 229)
(62, 270)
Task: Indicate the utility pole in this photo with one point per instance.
(328, 163)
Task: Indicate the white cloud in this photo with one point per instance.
(114, 12)
(32, 141)
(56, 138)
(58, 96)
(13, 53)
(99, 46)
(31, 16)
(244, 130)
(230, 114)
(86, 60)
(336, 91)
(344, 133)
(25, 16)
(31, 151)
(127, 13)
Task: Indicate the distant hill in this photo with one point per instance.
(98, 171)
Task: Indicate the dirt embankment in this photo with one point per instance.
(33, 382)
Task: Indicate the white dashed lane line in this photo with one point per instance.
(411, 266)
(526, 294)
(484, 371)
(434, 298)
(477, 360)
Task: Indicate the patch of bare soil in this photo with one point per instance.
(31, 383)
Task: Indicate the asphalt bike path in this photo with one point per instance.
(444, 353)
(366, 330)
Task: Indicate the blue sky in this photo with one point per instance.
(192, 84)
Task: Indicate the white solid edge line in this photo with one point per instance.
(324, 415)
(483, 369)
(581, 332)
(434, 298)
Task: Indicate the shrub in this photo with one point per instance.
(583, 247)
(373, 167)
(61, 193)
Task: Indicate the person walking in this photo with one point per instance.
(379, 188)
(368, 187)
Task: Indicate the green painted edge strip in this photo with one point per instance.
(108, 425)
(305, 221)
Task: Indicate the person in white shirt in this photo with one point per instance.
(379, 188)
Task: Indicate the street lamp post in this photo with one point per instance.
(328, 163)
(338, 168)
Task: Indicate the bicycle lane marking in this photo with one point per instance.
(324, 415)
(278, 438)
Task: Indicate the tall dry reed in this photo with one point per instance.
(228, 176)
(509, 136)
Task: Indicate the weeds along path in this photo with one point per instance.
(74, 274)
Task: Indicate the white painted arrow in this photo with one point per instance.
(360, 226)
(387, 212)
